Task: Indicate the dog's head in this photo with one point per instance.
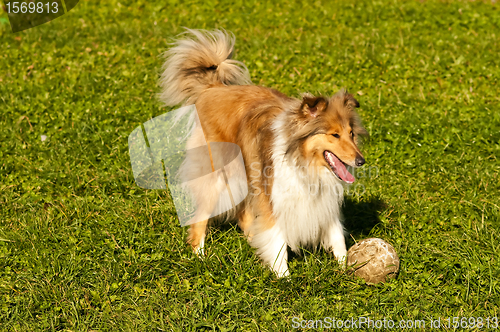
(327, 134)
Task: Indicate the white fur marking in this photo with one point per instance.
(272, 249)
(200, 252)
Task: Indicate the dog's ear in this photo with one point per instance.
(350, 102)
(313, 106)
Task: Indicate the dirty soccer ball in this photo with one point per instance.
(374, 260)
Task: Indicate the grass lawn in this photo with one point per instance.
(82, 248)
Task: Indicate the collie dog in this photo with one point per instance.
(295, 150)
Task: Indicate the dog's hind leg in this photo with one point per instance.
(210, 202)
(245, 220)
(196, 237)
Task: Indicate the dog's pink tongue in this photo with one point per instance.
(340, 168)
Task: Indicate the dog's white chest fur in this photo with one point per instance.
(305, 207)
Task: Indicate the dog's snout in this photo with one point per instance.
(360, 161)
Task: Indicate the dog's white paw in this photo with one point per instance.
(282, 274)
(342, 260)
(200, 252)
(281, 270)
(200, 249)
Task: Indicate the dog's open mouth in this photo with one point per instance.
(338, 167)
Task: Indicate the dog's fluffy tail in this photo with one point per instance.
(198, 61)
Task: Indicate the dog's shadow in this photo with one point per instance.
(361, 217)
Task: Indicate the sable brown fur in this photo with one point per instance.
(275, 133)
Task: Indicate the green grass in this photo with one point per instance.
(82, 248)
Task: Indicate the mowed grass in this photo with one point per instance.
(82, 248)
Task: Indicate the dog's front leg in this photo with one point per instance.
(333, 240)
(272, 249)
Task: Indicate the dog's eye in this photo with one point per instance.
(352, 134)
(336, 135)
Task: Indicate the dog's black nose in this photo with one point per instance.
(360, 161)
